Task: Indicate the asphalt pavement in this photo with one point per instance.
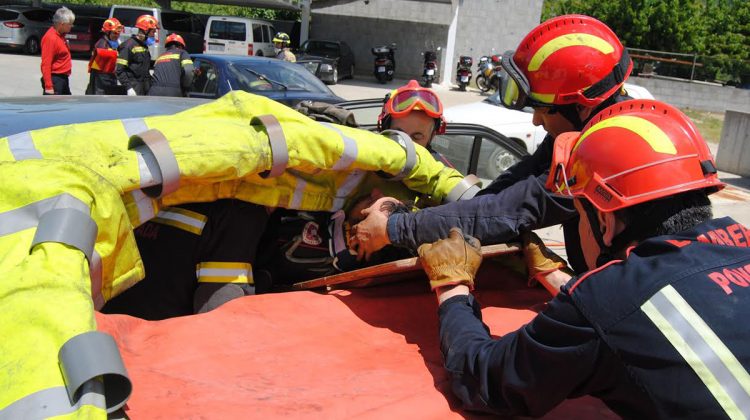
(20, 76)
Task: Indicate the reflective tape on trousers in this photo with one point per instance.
(349, 155)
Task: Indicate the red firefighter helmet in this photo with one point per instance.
(112, 25)
(570, 59)
(175, 38)
(146, 23)
(630, 153)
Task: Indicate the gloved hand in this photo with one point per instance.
(540, 261)
(451, 261)
(131, 92)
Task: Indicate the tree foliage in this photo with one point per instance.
(718, 31)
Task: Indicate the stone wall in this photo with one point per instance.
(701, 96)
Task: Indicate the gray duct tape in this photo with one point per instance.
(407, 144)
(89, 356)
(166, 164)
(277, 140)
(464, 190)
(67, 226)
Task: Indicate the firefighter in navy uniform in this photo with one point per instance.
(102, 79)
(173, 71)
(567, 69)
(134, 59)
(657, 328)
(197, 257)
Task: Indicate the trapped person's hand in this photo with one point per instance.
(451, 261)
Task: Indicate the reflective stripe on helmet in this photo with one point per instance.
(568, 40)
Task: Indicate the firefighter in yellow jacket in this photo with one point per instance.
(102, 80)
(173, 71)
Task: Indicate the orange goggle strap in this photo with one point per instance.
(557, 180)
(401, 103)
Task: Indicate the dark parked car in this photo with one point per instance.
(24, 27)
(329, 60)
(279, 80)
(84, 34)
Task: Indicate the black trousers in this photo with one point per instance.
(60, 84)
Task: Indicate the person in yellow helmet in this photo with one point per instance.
(281, 43)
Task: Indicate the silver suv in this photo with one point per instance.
(24, 27)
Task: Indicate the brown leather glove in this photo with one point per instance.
(539, 259)
(451, 261)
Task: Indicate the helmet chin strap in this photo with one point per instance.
(619, 242)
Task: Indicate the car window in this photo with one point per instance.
(39, 15)
(295, 77)
(237, 31)
(8, 15)
(326, 49)
(269, 33)
(493, 160)
(456, 149)
(232, 31)
(128, 16)
(176, 22)
(258, 33)
(206, 80)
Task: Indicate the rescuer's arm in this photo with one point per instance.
(527, 372)
(48, 55)
(533, 165)
(495, 218)
(123, 60)
(543, 265)
(187, 70)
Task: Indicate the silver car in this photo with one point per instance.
(24, 27)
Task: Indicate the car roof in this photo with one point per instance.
(18, 114)
(237, 58)
(125, 6)
(22, 8)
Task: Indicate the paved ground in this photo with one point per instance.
(20, 75)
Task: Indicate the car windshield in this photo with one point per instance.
(325, 49)
(271, 75)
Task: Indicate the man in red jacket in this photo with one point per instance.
(56, 62)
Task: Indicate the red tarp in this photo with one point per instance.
(366, 353)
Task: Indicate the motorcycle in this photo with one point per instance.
(430, 68)
(489, 73)
(385, 62)
(463, 72)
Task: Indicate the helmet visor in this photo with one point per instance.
(515, 90)
(405, 101)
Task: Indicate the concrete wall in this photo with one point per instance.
(484, 27)
(364, 33)
(499, 25)
(734, 148)
(699, 96)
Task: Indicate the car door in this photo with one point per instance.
(206, 81)
(470, 148)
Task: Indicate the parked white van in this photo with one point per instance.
(239, 36)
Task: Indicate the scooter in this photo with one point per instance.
(489, 69)
(463, 72)
(430, 68)
(385, 62)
